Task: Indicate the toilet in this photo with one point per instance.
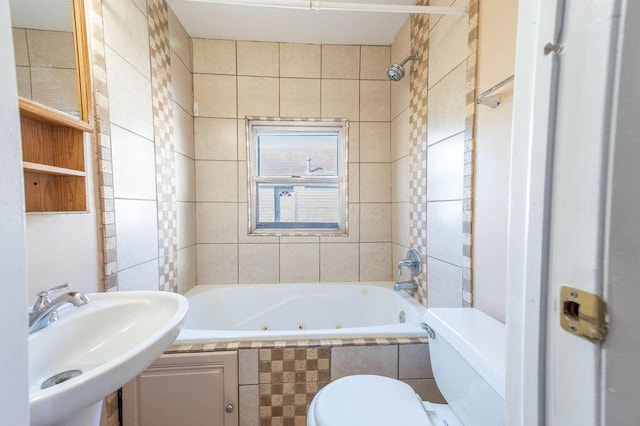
(468, 359)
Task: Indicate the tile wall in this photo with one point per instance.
(46, 68)
(441, 138)
(102, 140)
(401, 160)
(146, 82)
(204, 221)
(163, 88)
(235, 79)
(183, 142)
(130, 101)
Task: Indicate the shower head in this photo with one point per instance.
(395, 72)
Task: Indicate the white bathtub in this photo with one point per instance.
(259, 312)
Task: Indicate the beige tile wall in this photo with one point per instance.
(46, 68)
(400, 151)
(183, 140)
(162, 93)
(446, 134)
(129, 97)
(432, 136)
(149, 127)
(237, 79)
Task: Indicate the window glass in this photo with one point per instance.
(299, 154)
(297, 177)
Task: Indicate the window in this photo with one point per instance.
(297, 176)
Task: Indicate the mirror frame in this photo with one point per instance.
(81, 44)
(83, 73)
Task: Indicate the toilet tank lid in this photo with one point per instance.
(480, 339)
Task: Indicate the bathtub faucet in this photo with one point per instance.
(411, 262)
(409, 286)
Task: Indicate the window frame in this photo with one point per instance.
(257, 125)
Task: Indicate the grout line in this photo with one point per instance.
(44, 67)
(444, 261)
(455, 67)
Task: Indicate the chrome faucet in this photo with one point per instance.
(411, 262)
(45, 312)
(409, 286)
(414, 265)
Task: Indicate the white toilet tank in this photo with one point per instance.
(468, 358)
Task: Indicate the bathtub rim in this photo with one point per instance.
(406, 330)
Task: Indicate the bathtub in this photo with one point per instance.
(266, 312)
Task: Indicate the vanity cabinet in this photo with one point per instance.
(191, 389)
(53, 159)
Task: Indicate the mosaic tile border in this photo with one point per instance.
(418, 88)
(288, 379)
(102, 140)
(280, 344)
(159, 50)
(418, 150)
(469, 153)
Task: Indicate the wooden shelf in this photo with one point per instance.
(53, 159)
(53, 117)
(50, 170)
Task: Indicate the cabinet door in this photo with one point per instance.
(185, 390)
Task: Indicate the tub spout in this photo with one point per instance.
(409, 286)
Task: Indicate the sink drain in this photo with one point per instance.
(60, 377)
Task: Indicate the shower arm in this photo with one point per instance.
(409, 58)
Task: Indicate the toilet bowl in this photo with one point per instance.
(468, 359)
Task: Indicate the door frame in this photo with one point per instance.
(529, 204)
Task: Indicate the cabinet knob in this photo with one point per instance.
(229, 408)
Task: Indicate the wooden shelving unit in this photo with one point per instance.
(53, 159)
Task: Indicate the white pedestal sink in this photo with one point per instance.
(110, 340)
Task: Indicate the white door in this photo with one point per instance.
(621, 350)
(588, 165)
(580, 145)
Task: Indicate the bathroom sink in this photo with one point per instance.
(110, 340)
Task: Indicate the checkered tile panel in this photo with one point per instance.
(158, 20)
(289, 378)
(418, 140)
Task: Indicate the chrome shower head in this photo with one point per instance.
(395, 72)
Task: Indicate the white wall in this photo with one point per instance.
(63, 248)
(496, 61)
(14, 403)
